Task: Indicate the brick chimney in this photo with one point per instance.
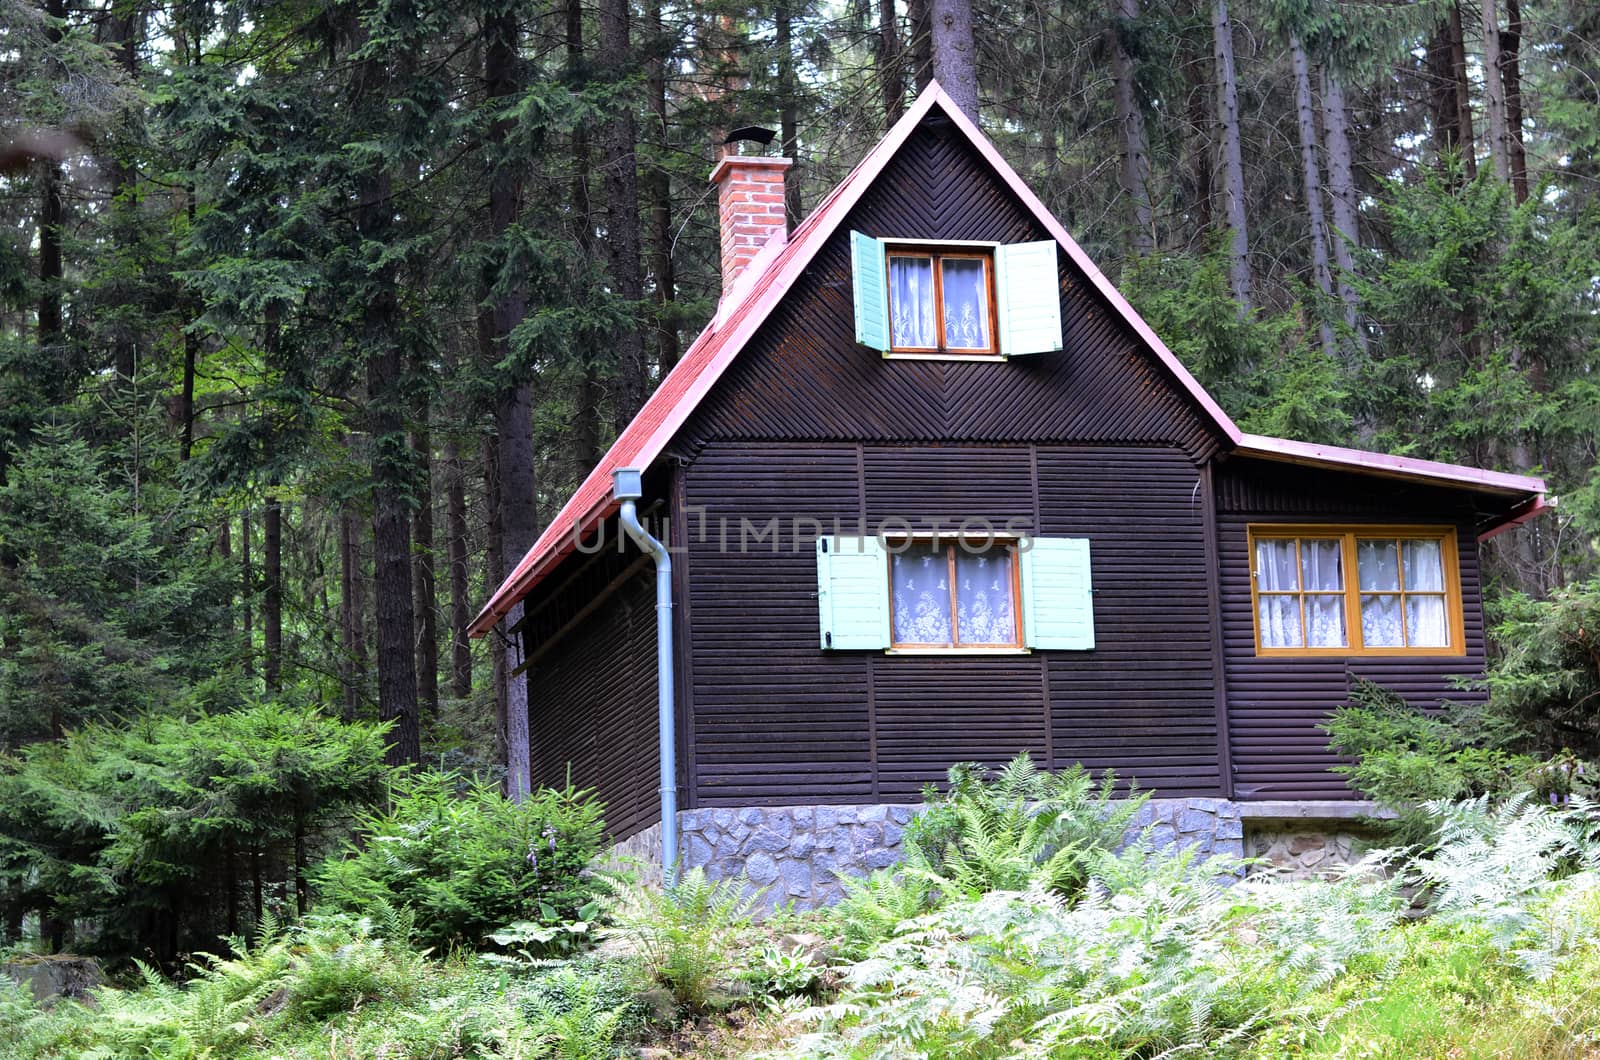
(750, 210)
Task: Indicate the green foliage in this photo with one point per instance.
(108, 606)
(780, 973)
(1020, 826)
(875, 906)
(465, 861)
(1547, 683)
(690, 935)
(150, 824)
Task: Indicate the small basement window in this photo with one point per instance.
(1356, 591)
(941, 302)
(945, 596)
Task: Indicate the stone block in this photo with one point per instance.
(880, 858)
(723, 819)
(761, 868)
(698, 851)
(901, 814)
(768, 840)
(1230, 828)
(1194, 821)
(872, 814)
(827, 817)
(892, 834)
(802, 845)
(751, 816)
(803, 816)
(796, 876)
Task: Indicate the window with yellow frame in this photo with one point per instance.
(1356, 590)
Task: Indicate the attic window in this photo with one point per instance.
(961, 301)
(941, 302)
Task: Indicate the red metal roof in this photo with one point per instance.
(768, 278)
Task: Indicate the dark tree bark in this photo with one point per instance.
(1342, 199)
(514, 501)
(1511, 74)
(272, 593)
(622, 220)
(890, 76)
(1450, 95)
(352, 608)
(788, 134)
(586, 416)
(920, 14)
(456, 545)
(496, 564)
(248, 578)
(1233, 206)
(1311, 178)
(391, 475)
(955, 55)
(663, 270)
(1494, 94)
(426, 584)
(1135, 171)
(53, 352)
(123, 30)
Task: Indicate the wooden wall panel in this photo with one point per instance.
(592, 704)
(803, 377)
(1144, 701)
(1276, 704)
(775, 719)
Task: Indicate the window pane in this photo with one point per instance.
(1275, 565)
(921, 596)
(911, 302)
(1424, 566)
(1325, 622)
(1278, 618)
(1380, 622)
(1426, 626)
(966, 304)
(1378, 565)
(1319, 565)
(985, 610)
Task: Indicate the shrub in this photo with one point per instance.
(688, 934)
(1022, 825)
(465, 861)
(1406, 758)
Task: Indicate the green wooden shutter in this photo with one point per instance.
(1057, 601)
(1028, 290)
(853, 592)
(870, 267)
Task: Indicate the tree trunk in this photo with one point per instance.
(495, 555)
(1311, 179)
(622, 221)
(513, 502)
(1343, 200)
(788, 134)
(272, 594)
(1511, 69)
(1462, 93)
(890, 76)
(1494, 93)
(123, 36)
(427, 606)
(955, 55)
(586, 416)
(352, 608)
(191, 353)
(1135, 171)
(662, 268)
(248, 576)
(391, 485)
(920, 14)
(1232, 156)
(455, 530)
(52, 221)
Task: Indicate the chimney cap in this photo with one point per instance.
(753, 133)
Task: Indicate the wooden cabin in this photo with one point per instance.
(934, 493)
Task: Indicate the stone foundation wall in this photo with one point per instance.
(1301, 850)
(799, 854)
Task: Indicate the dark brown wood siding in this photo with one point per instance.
(802, 377)
(592, 690)
(1276, 704)
(778, 719)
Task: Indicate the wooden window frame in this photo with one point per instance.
(898, 547)
(1348, 534)
(937, 253)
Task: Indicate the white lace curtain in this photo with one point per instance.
(1301, 593)
(913, 314)
(984, 609)
(911, 302)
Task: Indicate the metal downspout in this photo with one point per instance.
(628, 487)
